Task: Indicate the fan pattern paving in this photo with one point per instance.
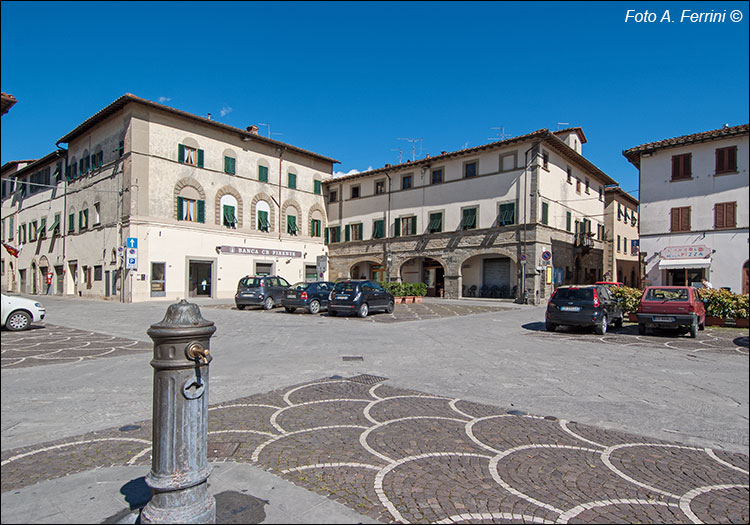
(406, 456)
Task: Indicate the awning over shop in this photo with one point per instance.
(679, 264)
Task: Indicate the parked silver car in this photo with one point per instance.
(18, 312)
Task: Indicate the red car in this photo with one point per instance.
(679, 307)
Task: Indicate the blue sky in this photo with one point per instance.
(346, 80)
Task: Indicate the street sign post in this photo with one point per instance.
(131, 253)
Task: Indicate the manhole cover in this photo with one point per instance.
(221, 450)
(235, 507)
(352, 358)
(129, 428)
(367, 379)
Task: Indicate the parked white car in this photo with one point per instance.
(18, 312)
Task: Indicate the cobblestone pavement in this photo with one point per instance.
(406, 456)
(401, 312)
(50, 344)
(734, 341)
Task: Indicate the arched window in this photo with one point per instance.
(292, 220)
(263, 213)
(228, 208)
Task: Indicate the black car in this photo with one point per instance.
(261, 290)
(587, 305)
(360, 297)
(311, 296)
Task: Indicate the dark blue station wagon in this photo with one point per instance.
(311, 296)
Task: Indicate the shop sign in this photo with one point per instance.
(696, 251)
(267, 252)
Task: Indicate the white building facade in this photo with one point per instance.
(156, 202)
(523, 213)
(694, 208)
(622, 247)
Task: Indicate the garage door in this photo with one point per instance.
(496, 272)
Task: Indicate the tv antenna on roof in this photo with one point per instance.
(269, 129)
(502, 135)
(400, 155)
(414, 147)
(562, 124)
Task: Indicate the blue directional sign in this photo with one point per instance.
(132, 242)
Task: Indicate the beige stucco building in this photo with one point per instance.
(203, 205)
(463, 222)
(621, 249)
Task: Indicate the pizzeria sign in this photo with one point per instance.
(695, 251)
(267, 252)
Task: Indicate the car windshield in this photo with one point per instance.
(346, 286)
(250, 282)
(575, 294)
(300, 286)
(666, 294)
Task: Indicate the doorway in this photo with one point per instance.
(59, 272)
(433, 275)
(199, 278)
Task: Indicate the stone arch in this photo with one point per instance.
(228, 190)
(491, 251)
(291, 203)
(271, 211)
(360, 263)
(471, 283)
(311, 213)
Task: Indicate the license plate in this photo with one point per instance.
(570, 308)
(664, 319)
(342, 297)
(292, 296)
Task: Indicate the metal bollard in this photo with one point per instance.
(179, 466)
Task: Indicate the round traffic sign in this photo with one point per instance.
(546, 255)
(523, 258)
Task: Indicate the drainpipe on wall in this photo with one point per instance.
(64, 214)
(281, 155)
(386, 231)
(522, 291)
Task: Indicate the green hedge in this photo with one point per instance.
(628, 298)
(404, 289)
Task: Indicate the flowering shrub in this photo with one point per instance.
(405, 289)
(628, 298)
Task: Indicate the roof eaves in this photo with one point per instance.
(35, 164)
(129, 97)
(569, 152)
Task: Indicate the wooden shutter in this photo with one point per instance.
(180, 153)
(720, 161)
(719, 214)
(326, 240)
(414, 225)
(685, 219)
(317, 187)
(179, 208)
(347, 232)
(200, 159)
(730, 214)
(397, 228)
(675, 220)
(100, 158)
(731, 162)
(201, 211)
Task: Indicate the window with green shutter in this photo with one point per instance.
(43, 228)
(263, 224)
(378, 229)
(292, 180)
(315, 228)
(568, 219)
(317, 187)
(347, 233)
(263, 173)
(200, 158)
(506, 214)
(228, 217)
(229, 165)
(71, 222)
(436, 223)
(336, 231)
(545, 213)
(291, 224)
(83, 219)
(55, 227)
(32, 230)
(469, 219)
(327, 235)
(397, 227)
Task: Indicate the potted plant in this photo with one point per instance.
(628, 299)
(718, 306)
(740, 307)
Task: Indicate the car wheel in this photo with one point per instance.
(641, 329)
(389, 308)
(289, 309)
(268, 303)
(314, 307)
(363, 310)
(240, 307)
(694, 330)
(551, 327)
(18, 320)
(618, 323)
(601, 327)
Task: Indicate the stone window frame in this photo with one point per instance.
(429, 221)
(229, 152)
(271, 212)
(182, 184)
(311, 217)
(219, 214)
(476, 218)
(466, 163)
(441, 169)
(291, 203)
(358, 187)
(502, 156)
(383, 181)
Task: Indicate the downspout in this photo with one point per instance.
(386, 230)
(281, 155)
(63, 215)
(522, 291)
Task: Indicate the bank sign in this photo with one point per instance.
(265, 252)
(696, 251)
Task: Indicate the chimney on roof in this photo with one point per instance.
(209, 116)
(387, 165)
(253, 129)
(442, 152)
(726, 126)
(427, 156)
